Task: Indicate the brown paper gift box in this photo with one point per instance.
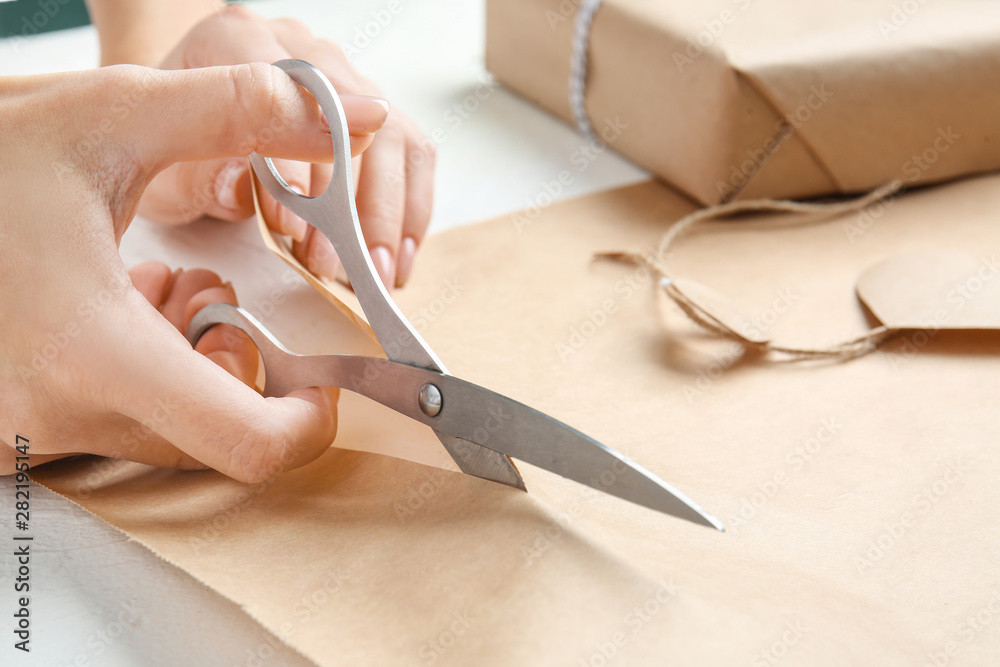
(770, 98)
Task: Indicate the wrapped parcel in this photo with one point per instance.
(729, 99)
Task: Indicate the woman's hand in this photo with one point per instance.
(394, 178)
(92, 360)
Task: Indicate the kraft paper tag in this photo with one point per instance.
(721, 309)
(937, 289)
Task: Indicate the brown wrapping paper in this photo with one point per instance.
(339, 297)
(770, 98)
(859, 497)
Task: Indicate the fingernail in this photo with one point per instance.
(231, 291)
(225, 185)
(324, 262)
(292, 224)
(384, 265)
(404, 265)
(366, 114)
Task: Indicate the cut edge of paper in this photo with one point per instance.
(342, 298)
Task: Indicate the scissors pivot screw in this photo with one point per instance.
(430, 399)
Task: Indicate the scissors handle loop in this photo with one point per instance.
(334, 214)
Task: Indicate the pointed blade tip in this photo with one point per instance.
(710, 521)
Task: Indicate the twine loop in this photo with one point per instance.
(658, 263)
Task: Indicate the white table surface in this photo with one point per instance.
(86, 576)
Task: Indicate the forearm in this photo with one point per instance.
(142, 32)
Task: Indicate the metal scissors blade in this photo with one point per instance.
(474, 417)
(335, 215)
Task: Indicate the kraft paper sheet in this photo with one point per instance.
(769, 98)
(859, 497)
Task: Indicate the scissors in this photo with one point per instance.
(479, 428)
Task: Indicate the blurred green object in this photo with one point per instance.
(24, 18)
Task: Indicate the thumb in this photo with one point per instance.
(164, 116)
(207, 413)
(186, 191)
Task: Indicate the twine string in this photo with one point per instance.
(658, 263)
(578, 65)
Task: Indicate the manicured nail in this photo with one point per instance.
(225, 184)
(384, 265)
(323, 261)
(407, 253)
(365, 114)
(292, 224)
(231, 291)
